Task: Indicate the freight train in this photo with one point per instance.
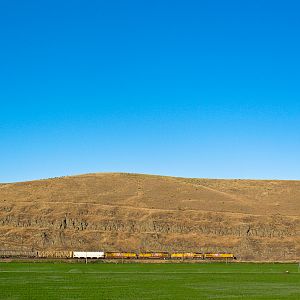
(115, 255)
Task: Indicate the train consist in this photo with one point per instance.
(116, 255)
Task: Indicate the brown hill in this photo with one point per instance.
(255, 219)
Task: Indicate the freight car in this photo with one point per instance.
(88, 254)
(154, 255)
(54, 254)
(17, 254)
(120, 255)
(186, 255)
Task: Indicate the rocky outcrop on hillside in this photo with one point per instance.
(257, 220)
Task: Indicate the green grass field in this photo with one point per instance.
(148, 281)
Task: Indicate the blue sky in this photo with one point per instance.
(185, 88)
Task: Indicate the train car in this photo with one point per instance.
(154, 255)
(120, 255)
(88, 254)
(54, 254)
(17, 254)
(198, 255)
(219, 256)
(186, 255)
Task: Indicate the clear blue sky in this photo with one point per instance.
(185, 88)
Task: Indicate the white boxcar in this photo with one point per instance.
(85, 254)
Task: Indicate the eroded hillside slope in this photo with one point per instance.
(257, 220)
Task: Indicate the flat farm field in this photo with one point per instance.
(148, 281)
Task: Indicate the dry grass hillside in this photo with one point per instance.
(257, 220)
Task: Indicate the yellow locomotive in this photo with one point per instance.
(219, 256)
(154, 255)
